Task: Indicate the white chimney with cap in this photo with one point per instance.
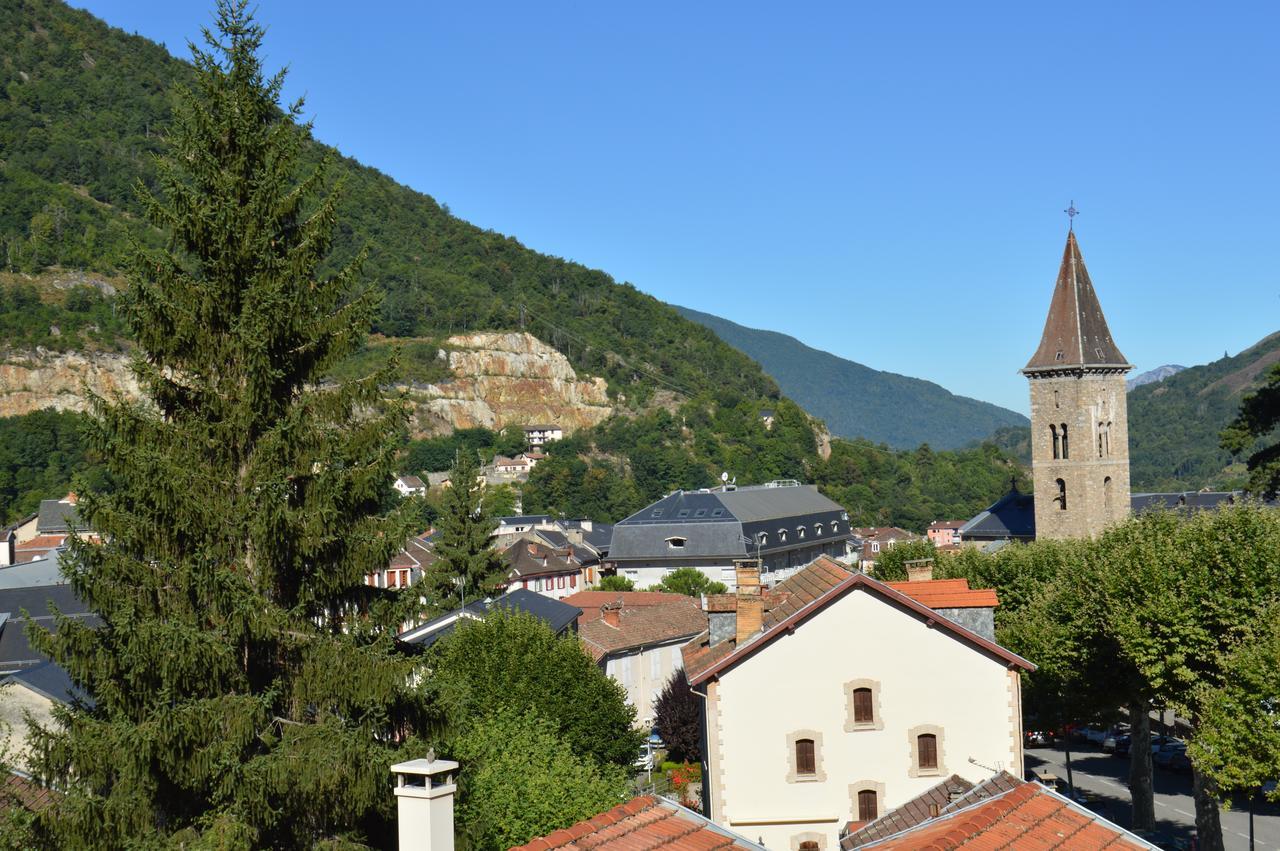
(424, 792)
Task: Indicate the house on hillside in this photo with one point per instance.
(540, 435)
(410, 486)
(873, 540)
(636, 636)
(832, 698)
(785, 524)
(945, 533)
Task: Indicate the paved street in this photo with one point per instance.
(1107, 776)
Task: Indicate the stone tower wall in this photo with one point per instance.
(1085, 400)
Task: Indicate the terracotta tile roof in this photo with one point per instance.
(678, 617)
(1027, 816)
(810, 590)
(948, 594)
(947, 524)
(591, 601)
(17, 790)
(42, 542)
(641, 823)
(951, 794)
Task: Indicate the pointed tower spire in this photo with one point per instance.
(1075, 332)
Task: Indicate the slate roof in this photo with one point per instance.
(559, 616)
(677, 618)
(808, 592)
(1011, 516)
(56, 516)
(713, 523)
(1075, 331)
(529, 558)
(45, 570)
(418, 552)
(1029, 815)
(642, 823)
(51, 681)
(15, 651)
(951, 794)
(1189, 500)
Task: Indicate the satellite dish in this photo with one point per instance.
(724, 477)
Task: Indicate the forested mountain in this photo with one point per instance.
(858, 401)
(84, 106)
(1175, 424)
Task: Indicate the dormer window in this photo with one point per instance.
(762, 539)
(817, 528)
(782, 535)
(676, 543)
(657, 512)
(701, 512)
(718, 512)
(800, 532)
(684, 512)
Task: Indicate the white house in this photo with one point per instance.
(410, 485)
(833, 698)
(540, 435)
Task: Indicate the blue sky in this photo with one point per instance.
(883, 181)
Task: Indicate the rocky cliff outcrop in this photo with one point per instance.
(507, 379)
(30, 381)
(499, 380)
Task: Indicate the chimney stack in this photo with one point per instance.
(8, 546)
(424, 792)
(750, 604)
(612, 614)
(920, 570)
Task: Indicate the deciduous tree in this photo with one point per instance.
(1259, 415)
(690, 582)
(678, 719)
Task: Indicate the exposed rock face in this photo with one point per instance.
(507, 379)
(500, 380)
(30, 381)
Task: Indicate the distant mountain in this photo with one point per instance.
(1174, 424)
(1152, 376)
(858, 401)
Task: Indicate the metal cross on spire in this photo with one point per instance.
(1071, 212)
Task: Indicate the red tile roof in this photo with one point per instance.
(821, 583)
(1028, 816)
(20, 791)
(591, 601)
(948, 594)
(678, 617)
(641, 823)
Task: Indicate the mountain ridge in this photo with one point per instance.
(858, 401)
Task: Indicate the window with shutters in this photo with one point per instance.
(867, 809)
(927, 747)
(862, 705)
(804, 757)
(805, 763)
(928, 751)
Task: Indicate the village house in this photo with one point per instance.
(785, 524)
(873, 540)
(535, 566)
(540, 435)
(636, 636)
(408, 566)
(519, 466)
(806, 731)
(945, 533)
(410, 486)
(588, 540)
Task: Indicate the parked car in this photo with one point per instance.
(1163, 757)
(1159, 743)
(1109, 743)
(1040, 738)
(1095, 734)
(1180, 762)
(1121, 748)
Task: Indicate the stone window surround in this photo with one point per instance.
(864, 786)
(877, 718)
(915, 770)
(810, 836)
(794, 776)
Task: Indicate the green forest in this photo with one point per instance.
(43, 455)
(84, 108)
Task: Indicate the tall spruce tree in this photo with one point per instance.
(244, 694)
(466, 566)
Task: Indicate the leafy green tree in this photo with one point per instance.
(514, 660)
(522, 780)
(615, 583)
(1257, 421)
(245, 693)
(690, 582)
(465, 563)
(1237, 743)
(677, 719)
(891, 566)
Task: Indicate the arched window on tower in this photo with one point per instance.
(1053, 429)
(1101, 426)
(1065, 452)
(1106, 435)
(1061, 498)
(1106, 495)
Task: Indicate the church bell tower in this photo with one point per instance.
(1079, 413)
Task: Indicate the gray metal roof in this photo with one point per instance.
(1011, 516)
(45, 570)
(56, 516)
(51, 681)
(15, 651)
(555, 614)
(756, 504)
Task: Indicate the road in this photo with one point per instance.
(1107, 776)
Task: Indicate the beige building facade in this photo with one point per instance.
(849, 712)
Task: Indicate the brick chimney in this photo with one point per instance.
(750, 604)
(920, 570)
(424, 798)
(611, 613)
